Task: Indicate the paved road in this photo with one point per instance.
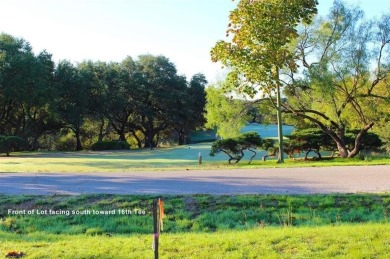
(353, 179)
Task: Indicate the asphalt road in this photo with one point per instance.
(351, 179)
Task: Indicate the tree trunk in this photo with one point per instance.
(101, 127)
(343, 151)
(149, 142)
(120, 131)
(253, 156)
(358, 140)
(182, 138)
(78, 140)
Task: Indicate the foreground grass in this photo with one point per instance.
(188, 213)
(200, 226)
(347, 241)
(176, 158)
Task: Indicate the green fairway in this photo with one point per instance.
(180, 157)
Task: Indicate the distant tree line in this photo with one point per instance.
(67, 106)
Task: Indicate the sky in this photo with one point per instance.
(110, 30)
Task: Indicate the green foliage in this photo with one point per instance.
(10, 144)
(25, 90)
(385, 136)
(308, 140)
(369, 141)
(339, 89)
(261, 32)
(110, 145)
(234, 147)
(142, 98)
(226, 114)
(70, 103)
(313, 139)
(190, 115)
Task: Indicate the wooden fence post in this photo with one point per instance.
(155, 229)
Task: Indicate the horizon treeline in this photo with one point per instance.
(68, 106)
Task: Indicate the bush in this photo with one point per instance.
(10, 144)
(314, 140)
(110, 145)
(370, 140)
(234, 147)
(65, 143)
(306, 141)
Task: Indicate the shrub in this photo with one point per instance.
(110, 145)
(370, 140)
(234, 147)
(10, 144)
(307, 140)
(66, 143)
(314, 140)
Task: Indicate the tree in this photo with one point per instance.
(343, 80)
(191, 107)
(158, 97)
(227, 114)
(262, 32)
(25, 90)
(235, 147)
(308, 140)
(95, 76)
(123, 95)
(71, 101)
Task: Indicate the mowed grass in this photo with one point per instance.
(175, 158)
(347, 241)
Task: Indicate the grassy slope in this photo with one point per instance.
(361, 241)
(202, 226)
(190, 213)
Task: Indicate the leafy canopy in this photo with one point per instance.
(261, 32)
(235, 147)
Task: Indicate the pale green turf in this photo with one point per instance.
(157, 159)
(347, 241)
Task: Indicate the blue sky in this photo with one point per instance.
(109, 30)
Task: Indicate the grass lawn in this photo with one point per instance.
(347, 241)
(157, 159)
(199, 226)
